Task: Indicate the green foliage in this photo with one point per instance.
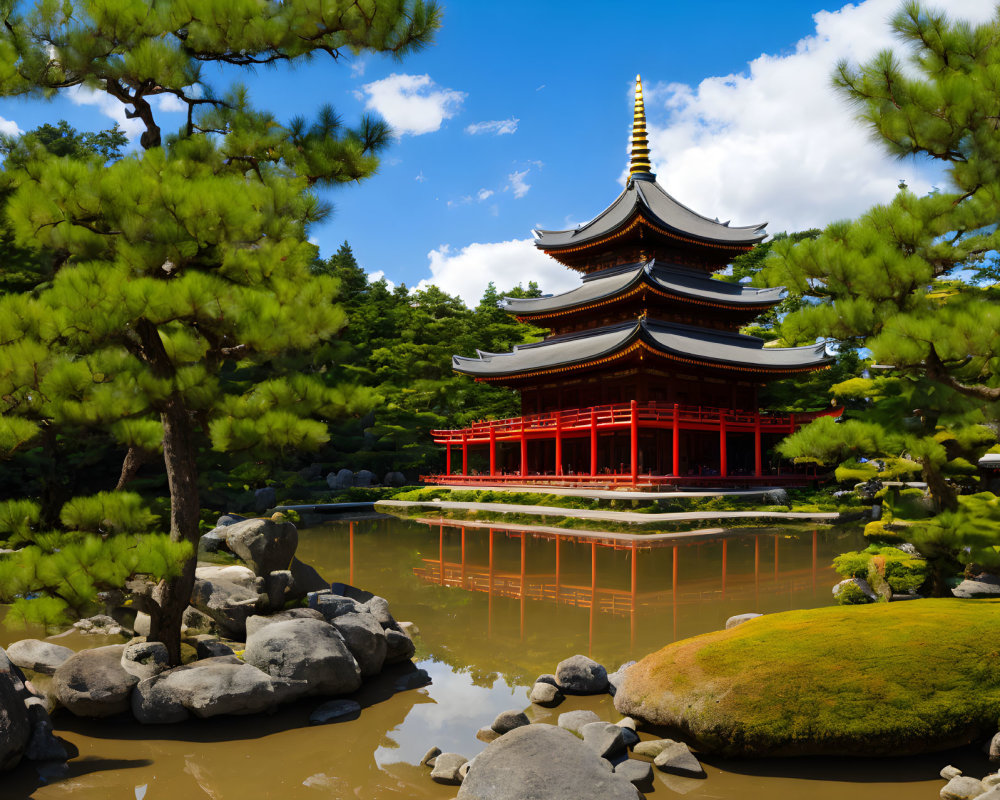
(108, 512)
(18, 518)
(904, 573)
(852, 595)
(895, 280)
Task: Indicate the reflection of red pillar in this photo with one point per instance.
(489, 593)
(593, 442)
(465, 454)
(725, 550)
(776, 556)
(757, 465)
(634, 440)
(524, 539)
(558, 576)
(559, 458)
(493, 450)
(593, 596)
(756, 567)
(463, 556)
(723, 466)
(524, 451)
(351, 555)
(815, 544)
(632, 603)
(673, 593)
(441, 554)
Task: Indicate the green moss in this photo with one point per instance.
(881, 679)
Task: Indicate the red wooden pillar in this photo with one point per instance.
(559, 459)
(634, 444)
(524, 451)
(447, 458)
(723, 466)
(465, 453)
(593, 442)
(677, 440)
(493, 450)
(757, 466)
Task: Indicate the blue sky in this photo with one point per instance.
(518, 117)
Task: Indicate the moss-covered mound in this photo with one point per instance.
(884, 679)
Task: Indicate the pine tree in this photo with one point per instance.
(189, 258)
(893, 281)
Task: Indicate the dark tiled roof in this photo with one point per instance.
(719, 348)
(665, 277)
(647, 197)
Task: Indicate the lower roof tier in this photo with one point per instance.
(682, 343)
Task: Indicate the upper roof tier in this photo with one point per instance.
(661, 279)
(646, 219)
(713, 349)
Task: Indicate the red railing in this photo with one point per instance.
(610, 417)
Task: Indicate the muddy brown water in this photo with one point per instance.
(494, 609)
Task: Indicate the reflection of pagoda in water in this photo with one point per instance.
(555, 580)
(644, 377)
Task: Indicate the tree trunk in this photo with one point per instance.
(944, 494)
(179, 452)
(134, 459)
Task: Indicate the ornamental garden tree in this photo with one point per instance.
(176, 265)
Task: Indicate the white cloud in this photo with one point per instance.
(777, 142)
(461, 201)
(9, 128)
(466, 272)
(379, 275)
(169, 103)
(412, 103)
(484, 194)
(108, 106)
(495, 126)
(515, 182)
(420, 177)
(358, 67)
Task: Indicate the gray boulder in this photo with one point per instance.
(378, 607)
(394, 479)
(277, 587)
(145, 659)
(994, 751)
(677, 759)
(307, 651)
(229, 519)
(581, 675)
(210, 647)
(962, 788)
(142, 624)
(982, 586)
(208, 688)
(604, 738)
(231, 573)
(332, 605)
(573, 721)
(265, 545)
(446, 767)
(364, 477)
(653, 747)
(333, 710)
(99, 625)
(365, 639)
(616, 678)
(305, 579)
(776, 497)
(508, 720)
(265, 498)
(15, 726)
(213, 541)
(43, 744)
(545, 695)
(538, 761)
(258, 621)
(739, 619)
(37, 655)
(93, 683)
(195, 621)
(342, 479)
(487, 734)
(638, 773)
(228, 604)
(398, 646)
(547, 678)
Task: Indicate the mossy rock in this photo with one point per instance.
(883, 679)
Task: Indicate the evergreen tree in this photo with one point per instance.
(893, 280)
(190, 258)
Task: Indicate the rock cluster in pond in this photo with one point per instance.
(271, 651)
(25, 728)
(964, 787)
(581, 756)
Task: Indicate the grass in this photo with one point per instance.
(884, 679)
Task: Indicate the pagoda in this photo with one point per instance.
(644, 378)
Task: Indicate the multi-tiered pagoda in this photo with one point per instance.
(644, 378)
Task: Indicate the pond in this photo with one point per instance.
(494, 608)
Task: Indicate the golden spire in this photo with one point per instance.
(640, 144)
